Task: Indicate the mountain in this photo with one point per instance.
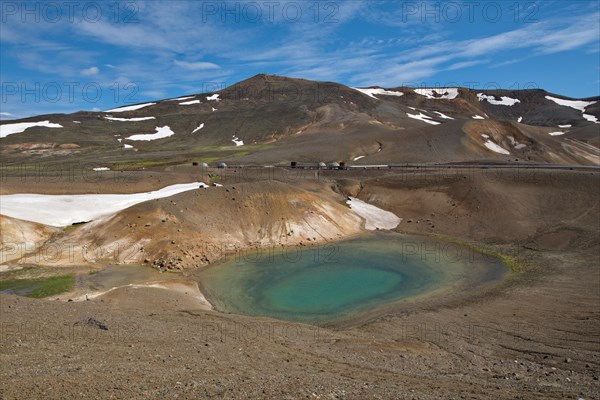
(271, 119)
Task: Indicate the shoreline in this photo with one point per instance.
(461, 290)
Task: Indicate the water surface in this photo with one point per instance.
(336, 281)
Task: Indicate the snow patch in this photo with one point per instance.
(161, 133)
(181, 98)
(214, 97)
(565, 126)
(76, 122)
(62, 210)
(493, 146)
(237, 141)
(576, 104)
(187, 103)
(128, 119)
(358, 158)
(214, 109)
(516, 144)
(477, 117)
(379, 91)
(198, 128)
(130, 108)
(9, 129)
(505, 101)
(127, 146)
(424, 118)
(520, 119)
(556, 133)
(444, 116)
(438, 93)
(101, 169)
(375, 217)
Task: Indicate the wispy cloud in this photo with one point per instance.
(173, 49)
(196, 66)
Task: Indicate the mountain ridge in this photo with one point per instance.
(277, 119)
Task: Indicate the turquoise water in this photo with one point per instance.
(327, 283)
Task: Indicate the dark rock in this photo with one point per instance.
(90, 321)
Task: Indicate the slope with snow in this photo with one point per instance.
(444, 116)
(577, 105)
(62, 210)
(373, 91)
(375, 217)
(516, 144)
(9, 129)
(438, 93)
(181, 98)
(130, 108)
(188, 103)
(493, 146)
(424, 118)
(505, 101)
(111, 118)
(214, 97)
(161, 133)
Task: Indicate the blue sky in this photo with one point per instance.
(69, 56)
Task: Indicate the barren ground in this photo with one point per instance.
(534, 336)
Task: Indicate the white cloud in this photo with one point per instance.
(91, 71)
(196, 66)
(163, 54)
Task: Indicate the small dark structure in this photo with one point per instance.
(293, 164)
(342, 165)
(194, 163)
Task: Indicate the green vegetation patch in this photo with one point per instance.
(518, 261)
(138, 164)
(38, 288)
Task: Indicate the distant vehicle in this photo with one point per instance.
(322, 165)
(333, 165)
(293, 164)
(221, 165)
